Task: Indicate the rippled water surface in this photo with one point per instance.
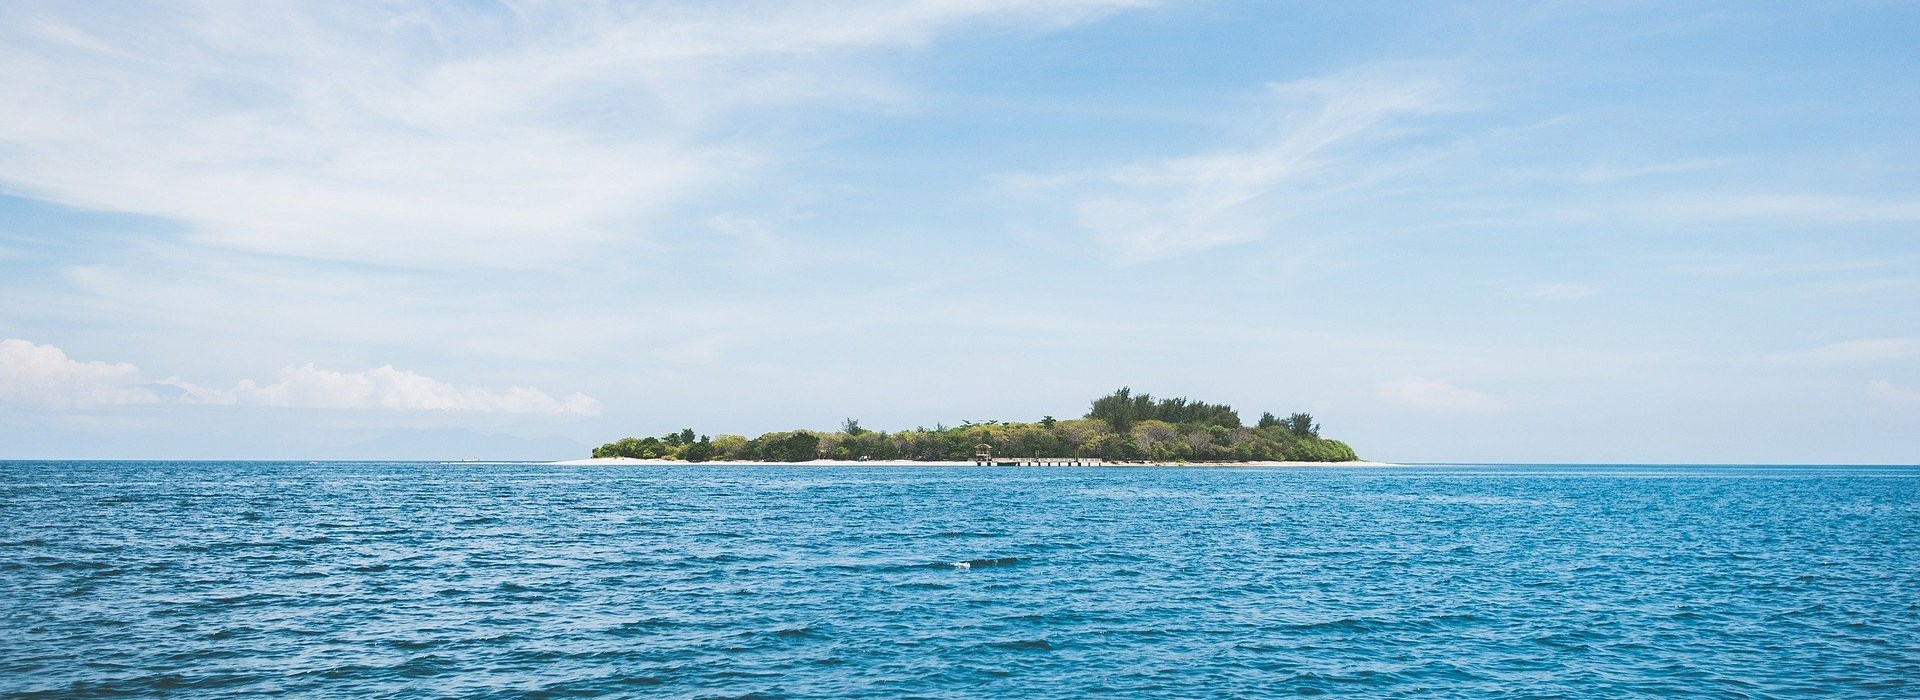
(412, 580)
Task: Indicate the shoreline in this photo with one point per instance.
(630, 461)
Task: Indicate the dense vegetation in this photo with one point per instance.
(1121, 426)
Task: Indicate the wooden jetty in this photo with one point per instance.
(983, 457)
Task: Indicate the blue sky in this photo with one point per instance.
(1608, 231)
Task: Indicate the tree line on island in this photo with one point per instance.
(1120, 427)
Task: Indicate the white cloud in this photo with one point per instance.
(1438, 395)
(1887, 391)
(430, 135)
(1865, 350)
(1158, 209)
(383, 388)
(42, 376)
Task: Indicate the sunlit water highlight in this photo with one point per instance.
(421, 580)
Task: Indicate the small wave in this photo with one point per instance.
(172, 681)
(70, 564)
(1344, 624)
(982, 563)
(239, 599)
(1039, 644)
(232, 633)
(627, 629)
(923, 586)
(424, 666)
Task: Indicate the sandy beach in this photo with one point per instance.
(628, 461)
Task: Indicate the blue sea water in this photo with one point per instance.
(428, 580)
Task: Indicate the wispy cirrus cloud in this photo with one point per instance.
(33, 375)
(430, 135)
(1156, 209)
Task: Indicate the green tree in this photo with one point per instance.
(851, 427)
(797, 446)
(623, 447)
(1120, 409)
(700, 451)
(730, 447)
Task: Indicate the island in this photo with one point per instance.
(1122, 427)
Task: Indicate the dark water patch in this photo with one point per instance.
(413, 644)
(232, 633)
(640, 627)
(984, 563)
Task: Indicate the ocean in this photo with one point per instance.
(408, 580)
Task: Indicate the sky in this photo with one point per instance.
(1479, 231)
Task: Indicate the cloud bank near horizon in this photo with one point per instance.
(33, 375)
